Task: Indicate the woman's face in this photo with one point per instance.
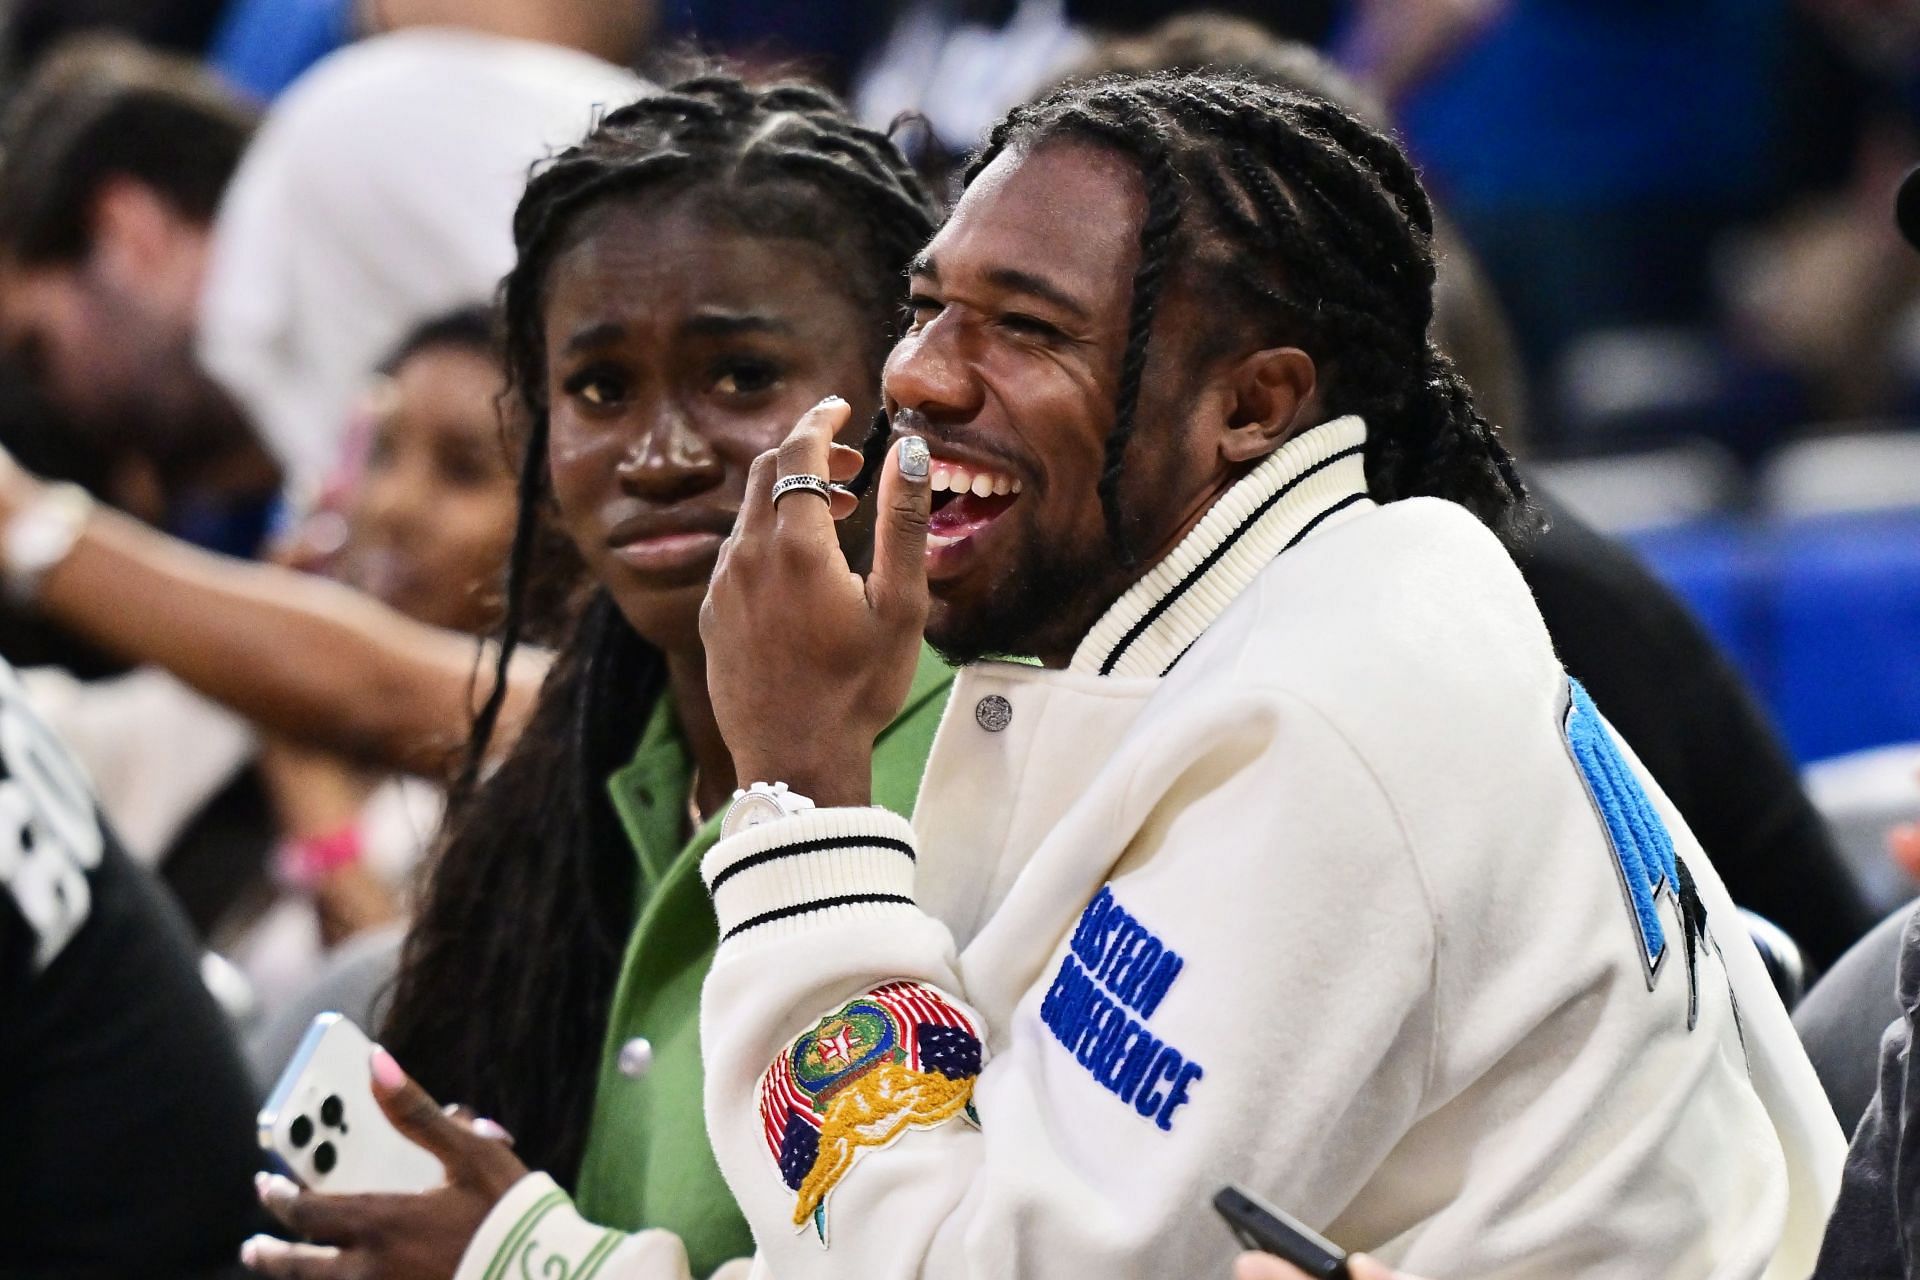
(431, 521)
(677, 351)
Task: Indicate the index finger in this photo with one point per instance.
(807, 451)
(270, 1257)
(317, 1215)
(758, 512)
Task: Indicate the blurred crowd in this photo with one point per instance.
(249, 254)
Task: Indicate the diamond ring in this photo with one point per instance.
(792, 484)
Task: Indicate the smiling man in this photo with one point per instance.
(1282, 853)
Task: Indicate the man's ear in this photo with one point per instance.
(1272, 395)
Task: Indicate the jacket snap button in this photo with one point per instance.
(636, 1057)
(993, 713)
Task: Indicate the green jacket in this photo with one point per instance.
(647, 1162)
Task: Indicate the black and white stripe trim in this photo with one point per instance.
(1304, 483)
(842, 860)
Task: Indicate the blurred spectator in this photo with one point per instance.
(112, 163)
(126, 1142)
(826, 40)
(1828, 291)
(1649, 665)
(1590, 150)
(180, 26)
(961, 64)
(381, 190)
(33, 431)
(428, 519)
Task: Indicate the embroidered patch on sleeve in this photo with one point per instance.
(901, 1057)
(1643, 851)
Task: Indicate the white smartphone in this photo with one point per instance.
(325, 1127)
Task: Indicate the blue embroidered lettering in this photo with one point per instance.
(1156, 987)
(1057, 993)
(1141, 1056)
(1115, 967)
(1110, 923)
(1177, 1096)
(1111, 1053)
(1118, 1025)
(1166, 1066)
(1083, 937)
(1122, 945)
(1085, 1026)
(1128, 983)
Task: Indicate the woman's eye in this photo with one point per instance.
(467, 470)
(595, 387)
(745, 378)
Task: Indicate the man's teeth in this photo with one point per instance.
(951, 477)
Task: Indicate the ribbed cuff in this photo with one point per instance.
(536, 1219)
(851, 862)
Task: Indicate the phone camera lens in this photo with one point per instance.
(324, 1158)
(300, 1132)
(331, 1112)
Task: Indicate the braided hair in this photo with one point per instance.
(508, 974)
(1318, 227)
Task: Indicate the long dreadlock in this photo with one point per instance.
(508, 973)
(1319, 226)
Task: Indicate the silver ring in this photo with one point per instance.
(811, 484)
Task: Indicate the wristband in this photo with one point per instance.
(304, 861)
(40, 536)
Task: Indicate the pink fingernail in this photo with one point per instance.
(493, 1129)
(386, 1072)
(259, 1249)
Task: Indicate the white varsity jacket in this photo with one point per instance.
(1311, 873)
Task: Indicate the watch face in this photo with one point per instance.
(749, 811)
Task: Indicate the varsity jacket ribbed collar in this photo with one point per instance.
(1280, 502)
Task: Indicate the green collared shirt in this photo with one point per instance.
(648, 1163)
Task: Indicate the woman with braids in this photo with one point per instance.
(707, 264)
(1290, 858)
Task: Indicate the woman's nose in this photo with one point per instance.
(668, 460)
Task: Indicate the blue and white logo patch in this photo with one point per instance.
(1642, 847)
(1643, 853)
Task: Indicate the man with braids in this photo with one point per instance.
(707, 264)
(1289, 856)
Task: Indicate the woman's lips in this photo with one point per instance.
(665, 553)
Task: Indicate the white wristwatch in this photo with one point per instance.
(39, 537)
(760, 803)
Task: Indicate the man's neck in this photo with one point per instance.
(1058, 659)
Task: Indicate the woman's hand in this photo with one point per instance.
(1264, 1266)
(806, 660)
(393, 1237)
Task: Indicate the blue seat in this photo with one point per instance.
(1845, 605)
(1721, 571)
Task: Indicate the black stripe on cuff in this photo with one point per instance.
(810, 846)
(818, 904)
